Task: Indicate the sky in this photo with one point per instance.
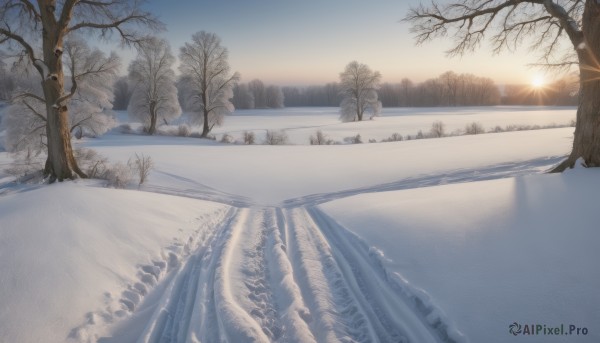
(306, 42)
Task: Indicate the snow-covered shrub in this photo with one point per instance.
(141, 166)
(227, 138)
(276, 137)
(438, 129)
(497, 129)
(395, 137)
(93, 164)
(118, 175)
(353, 139)
(420, 135)
(249, 137)
(474, 128)
(319, 139)
(184, 130)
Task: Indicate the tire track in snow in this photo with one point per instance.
(388, 304)
(288, 275)
(257, 284)
(190, 291)
(338, 316)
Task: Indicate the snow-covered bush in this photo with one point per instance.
(353, 139)
(249, 137)
(395, 137)
(474, 128)
(438, 129)
(184, 130)
(276, 137)
(227, 138)
(118, 175)
(319, 139)
(141, 165)
(93, 164)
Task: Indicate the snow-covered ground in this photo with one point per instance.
(300, 123)
(491, 253)
(305, 243)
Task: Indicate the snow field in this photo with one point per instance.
(266, 257)
(491, 253)
(300, 123)
(75, 259)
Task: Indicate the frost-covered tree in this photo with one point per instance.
(26, 24)
(93, 74)
(359, 85)
(154, 99)
(565, 33)
(204, 62)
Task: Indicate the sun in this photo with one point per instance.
(538, 82)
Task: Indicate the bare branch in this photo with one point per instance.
(541, 23)
(9, 35)
(29, 95)
(36, 113)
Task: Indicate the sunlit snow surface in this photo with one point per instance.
(310, 243)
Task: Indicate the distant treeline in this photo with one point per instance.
(448, 89)
(564, 92)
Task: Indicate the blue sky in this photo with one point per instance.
(293, 42)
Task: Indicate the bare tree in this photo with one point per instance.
(359, 85)
(154, 98)
(206, 69)
(25, 24)
(548, 25)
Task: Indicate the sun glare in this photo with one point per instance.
(537, 82)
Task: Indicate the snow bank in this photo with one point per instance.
(75, 258)
(492, 253)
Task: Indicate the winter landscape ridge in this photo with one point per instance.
(431, 240)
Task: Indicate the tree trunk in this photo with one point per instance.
(152, 128)
(60, 163)
(205, 127)
(586, 143)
